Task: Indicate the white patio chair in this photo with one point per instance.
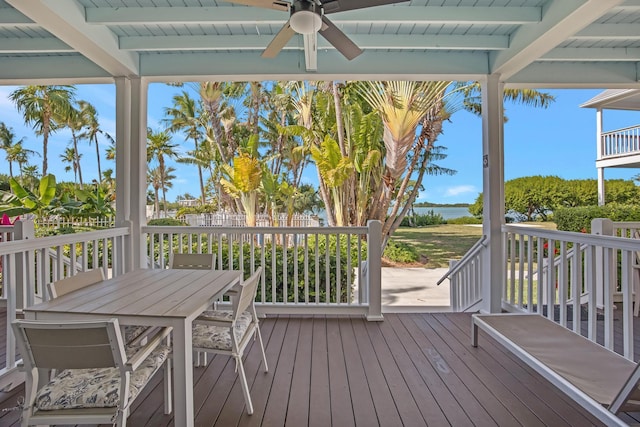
(229, 331)
(98, 377)
(133, 334)
(192, 261)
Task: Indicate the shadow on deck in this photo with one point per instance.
(411, 369)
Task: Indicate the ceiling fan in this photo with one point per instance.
(307, 17)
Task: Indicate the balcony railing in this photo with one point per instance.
(620, 142)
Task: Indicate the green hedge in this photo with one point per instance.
(579, 219)
(430, 218)
(346, 285)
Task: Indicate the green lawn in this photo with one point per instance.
(437, 244)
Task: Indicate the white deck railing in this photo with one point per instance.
(465, 276)
(306, 269)
(28, 264)
(620, 142)
(567, 274)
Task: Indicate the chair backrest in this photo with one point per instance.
(247, 294)
(73, 283)
(70, 345)
(192, 261)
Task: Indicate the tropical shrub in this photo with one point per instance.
(169, 222)
(579, 219)
(319, 267)
(465, 220)
(400, 252)
(430, 218)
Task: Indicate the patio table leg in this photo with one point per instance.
(182, 374)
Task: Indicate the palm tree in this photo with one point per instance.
(7, 144)
(185, 117)
(402, 106)
(92, 128)
(17, 153)
(160, 180)
(159, 147)
(43, 107)
(154, 177)
(72, 158)
(75, 122)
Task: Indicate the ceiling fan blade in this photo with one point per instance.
(332, 6)
(339, 39)
(279, 41)
(266, 4)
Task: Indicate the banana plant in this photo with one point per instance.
(243, 180)
(21, 201)
(334, 169)
(95, 204)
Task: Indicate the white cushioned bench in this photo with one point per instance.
(598, 379)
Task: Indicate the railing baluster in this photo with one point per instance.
(317, 265)
(295, 269)
(338, 284)
(327, 269)
(306, 268)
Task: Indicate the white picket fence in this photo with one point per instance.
(62, 222)
(224, 219)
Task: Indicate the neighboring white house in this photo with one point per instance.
(619, 148)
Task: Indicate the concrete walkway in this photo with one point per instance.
(414, 290)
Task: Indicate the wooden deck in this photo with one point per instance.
(409, 370)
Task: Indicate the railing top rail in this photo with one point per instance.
(253, 230)
(612, 242)
(611, 132)
(44, 242)
(626, 224)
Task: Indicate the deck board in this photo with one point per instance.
(409, 370)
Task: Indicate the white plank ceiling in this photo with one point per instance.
(543, 43)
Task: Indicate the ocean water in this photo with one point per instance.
(446, 212)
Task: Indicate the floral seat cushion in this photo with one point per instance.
(222, 315)
(96, 388)
(218, 337)
(131, 332)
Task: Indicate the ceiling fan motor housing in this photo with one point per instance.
(306, 17)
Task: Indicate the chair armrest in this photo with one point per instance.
(144, 351)
(140, 338)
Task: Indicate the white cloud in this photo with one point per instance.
(459, 190)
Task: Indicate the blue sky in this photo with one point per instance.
(558, 141)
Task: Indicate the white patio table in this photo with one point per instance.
(154, 297)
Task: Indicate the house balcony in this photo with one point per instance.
(619, 148)
(329, 364)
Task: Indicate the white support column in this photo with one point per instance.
(493, 192)
(123, 145)
(599, 154)
(138, 170)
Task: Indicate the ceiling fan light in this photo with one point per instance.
(305, 22)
